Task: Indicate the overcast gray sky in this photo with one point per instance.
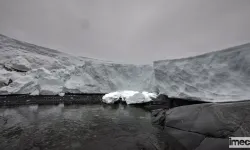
(130, 31)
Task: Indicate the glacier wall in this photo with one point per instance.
(29, 69)
(217, 76)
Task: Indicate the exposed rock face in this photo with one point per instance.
(203, 126)
(68, 74)
(217, 76)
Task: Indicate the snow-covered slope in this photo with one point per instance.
(217, 76)
(31, 69)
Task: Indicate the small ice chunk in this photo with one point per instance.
(130, 97)
(126, 94)
(61, 94)
(138, 99)
(111, 97)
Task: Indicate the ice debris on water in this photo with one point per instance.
(130, 97)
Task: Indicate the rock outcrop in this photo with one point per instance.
(164, 102)
(203, 126)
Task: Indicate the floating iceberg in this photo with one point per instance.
(219, 76)
(130, 97)
(61, 94)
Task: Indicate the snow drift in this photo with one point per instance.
(217, 76)
(31, 69)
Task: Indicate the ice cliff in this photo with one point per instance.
(217, 76)
(29, 69)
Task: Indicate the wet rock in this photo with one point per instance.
(164, 102)
(203, 126)
(158, 117)
(175, 139)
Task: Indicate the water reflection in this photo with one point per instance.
(62, 127)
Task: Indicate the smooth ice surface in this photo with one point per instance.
(215, 77)
(35, 70)
(130, 97)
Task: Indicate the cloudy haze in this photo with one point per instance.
(129, 31)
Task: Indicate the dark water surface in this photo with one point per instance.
(87, 127)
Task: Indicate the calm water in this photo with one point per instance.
(95, 127)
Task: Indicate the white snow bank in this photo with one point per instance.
(81, 83)
(23, 84)
(50, 86)
(130, 97)
(34, 82)
(18, 63)
(47, 83)
(73, 74)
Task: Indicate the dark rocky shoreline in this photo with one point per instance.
(67, 99)
(162, 101)
(203, 126)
